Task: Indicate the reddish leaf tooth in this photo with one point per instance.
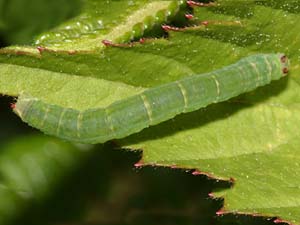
(40, 49)
(196, 173)
(205, 23)
(13, 105)
(200, 4)
(110, 43)
(171, 28)
(138, 165)
(211, 195)
(189, 16)
(278, 221)
(142, 40)
(168, 28)
(220, 213)
(107, 43)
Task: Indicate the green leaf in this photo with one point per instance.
(18, 79)
(123, 21)
(251, 139)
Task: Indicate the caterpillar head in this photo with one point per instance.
(284, 64)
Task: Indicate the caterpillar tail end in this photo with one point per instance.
(22, 105)
(17, 110)
(285, 64)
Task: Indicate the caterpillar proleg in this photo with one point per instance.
(154, 105)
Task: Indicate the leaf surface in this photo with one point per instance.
(251, 139)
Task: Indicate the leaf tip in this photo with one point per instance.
(204, 23)
(211, 195)
(40, 49)
(221, 212)
(189, 16)
(278, 220)
(12, 106)
(142, 40)
(200, 4)
(107, 42)
(170, 28)
(196, 173)
(139, 164)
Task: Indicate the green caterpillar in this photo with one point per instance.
(153, 105)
